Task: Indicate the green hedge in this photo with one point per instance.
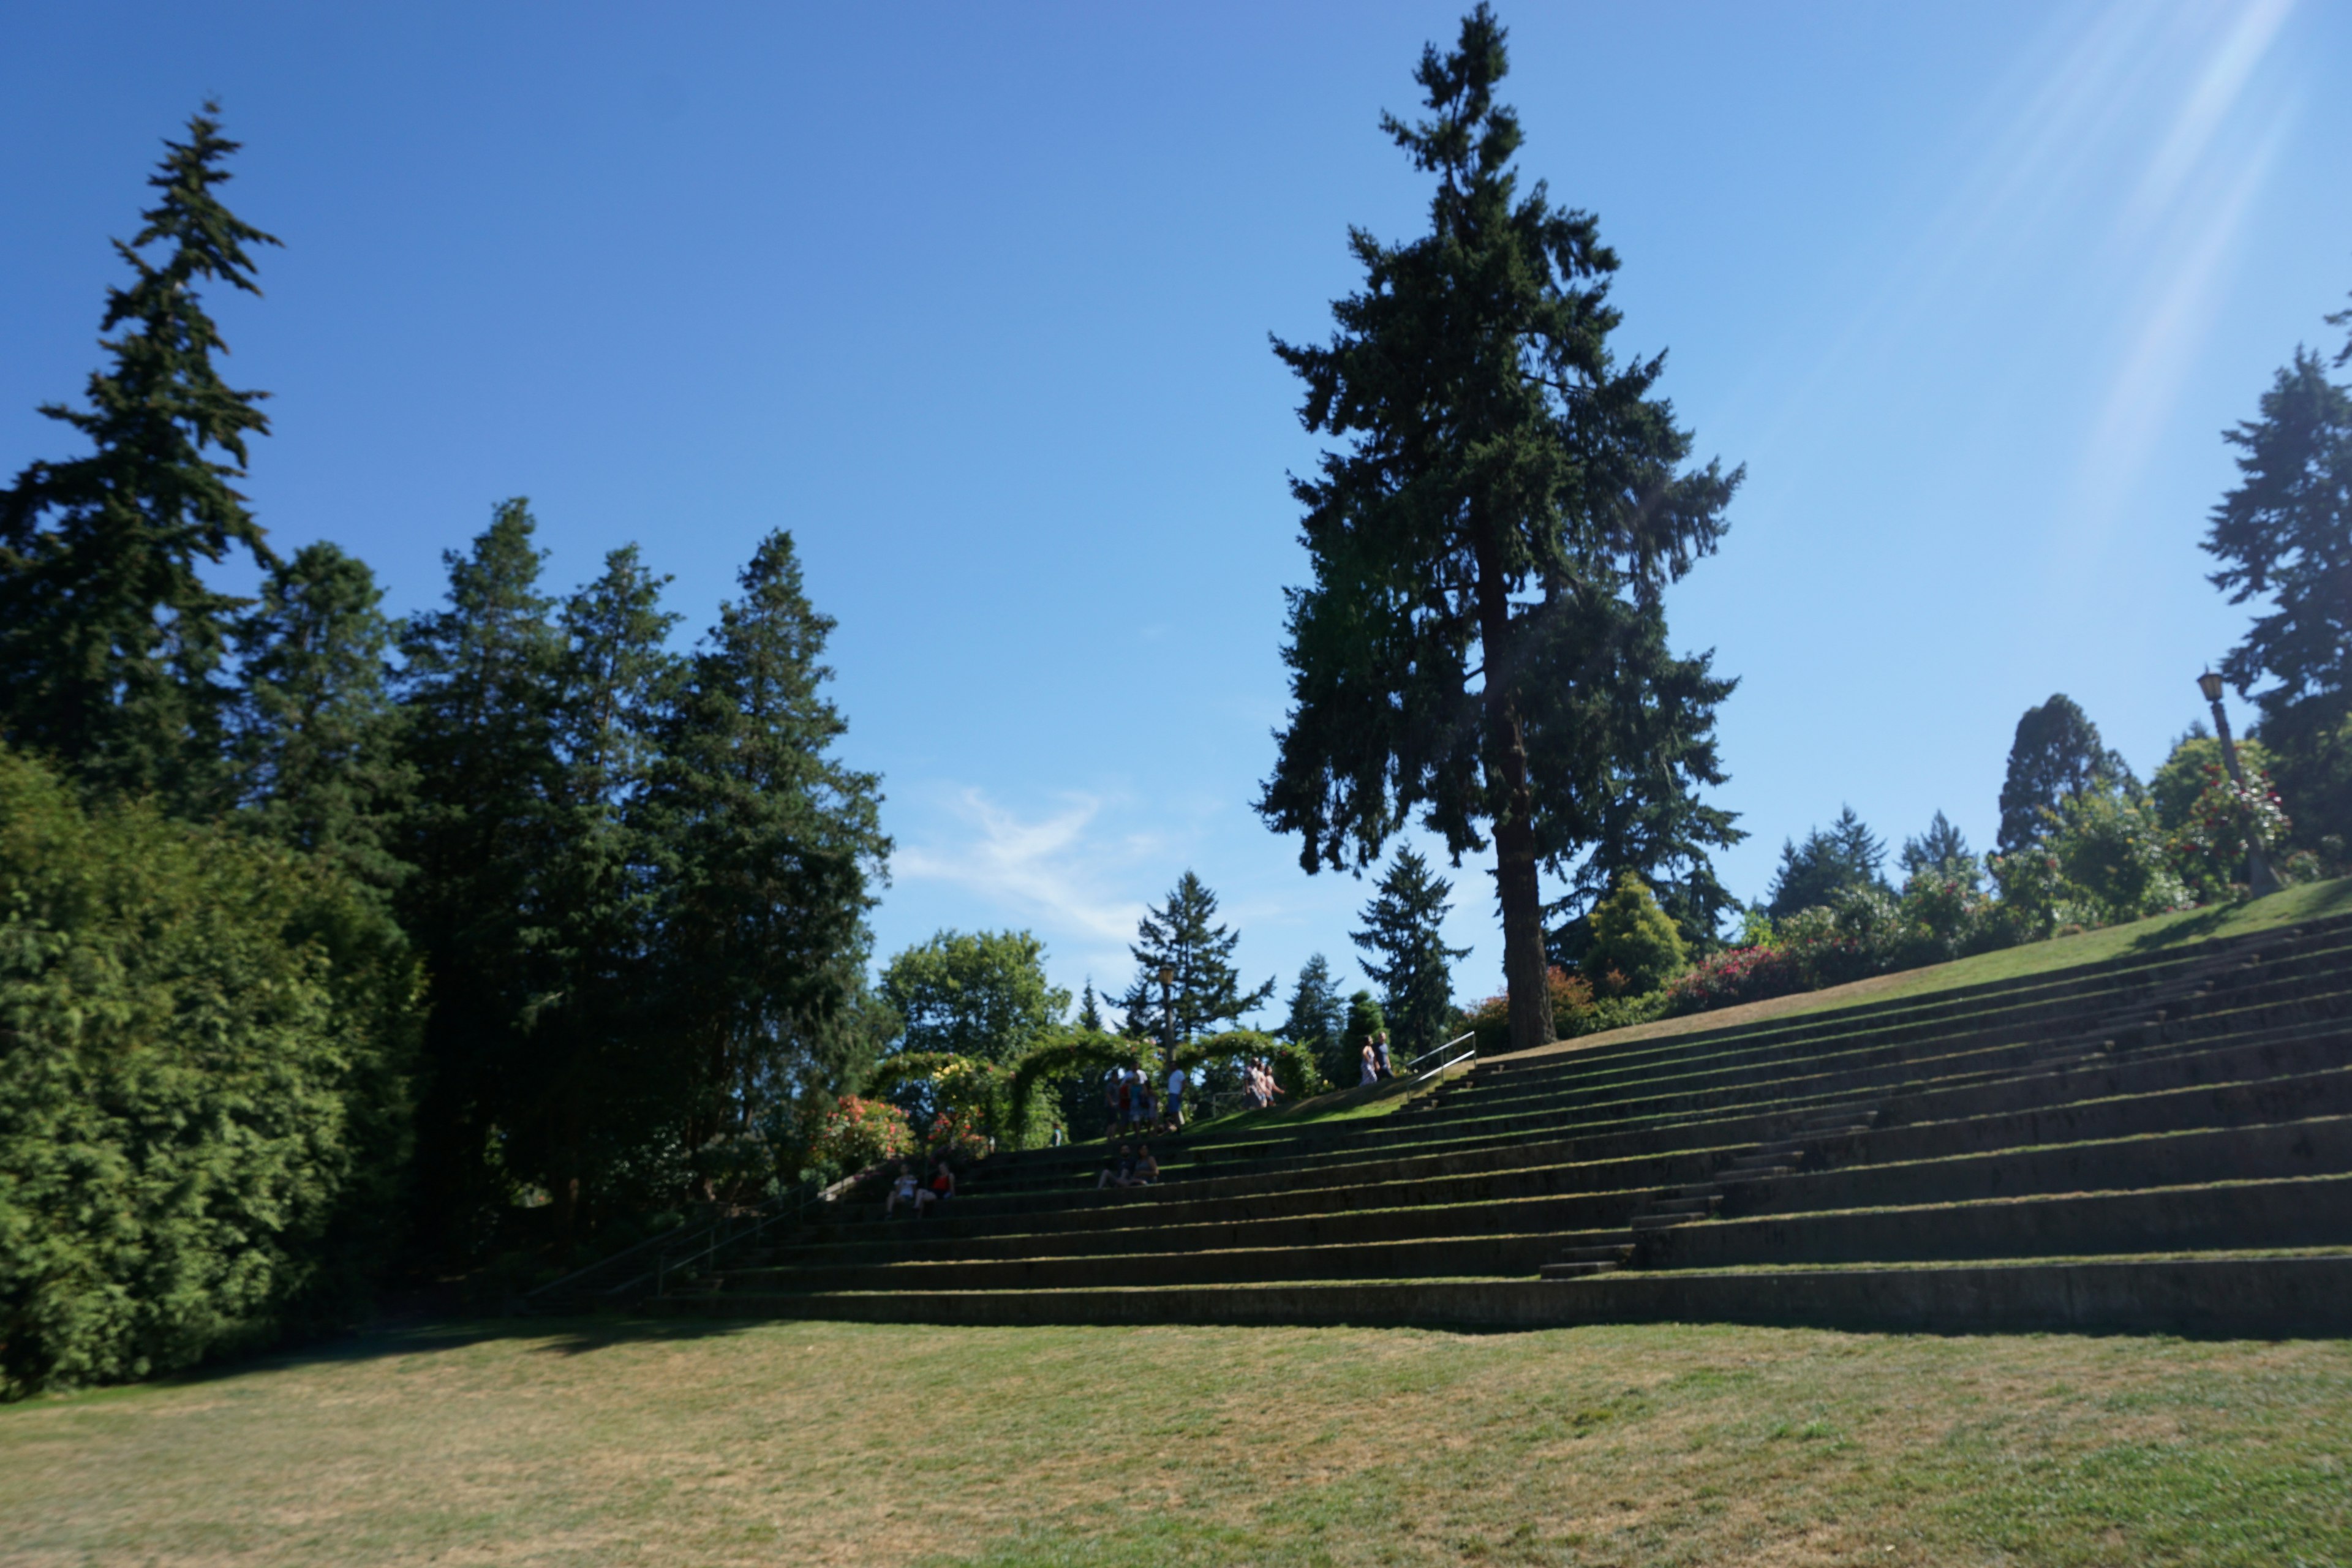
(204, 1095)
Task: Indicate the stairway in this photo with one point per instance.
(2151, 1142)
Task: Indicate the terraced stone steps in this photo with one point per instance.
(2197, 1104)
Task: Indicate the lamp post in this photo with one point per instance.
(1167, 1016)
(2260, 879)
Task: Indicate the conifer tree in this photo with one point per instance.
(479, 689)
(2055, 755)
(1090, 1017)
(1180, 935)
(772, 849)
(110, 639)
(1830, 860)
(1484, 642)
(1404, 935)
(315, 743)
(1317, 1020)
(594, 1059)
(2284, 535)
(1942, 850)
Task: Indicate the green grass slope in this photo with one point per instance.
(2149, 938)
(842, 1444)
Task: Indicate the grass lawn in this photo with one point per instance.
(854, 1444)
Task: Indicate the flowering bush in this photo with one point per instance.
(1490, 1021)
(2221, 824)
(956, 1139)
(860, 1133)
(1806, 955)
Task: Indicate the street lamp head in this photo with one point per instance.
(2210, 685)
(1166, 975)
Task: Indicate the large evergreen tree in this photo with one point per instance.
(1403, 939)
(2055, 755)
(591, 1081)
(773, 848)
(315, 743)
(110, 639)
(1183, 935)
(479, 689)
(2284, 535)
(1844, 855)
(1483, 641)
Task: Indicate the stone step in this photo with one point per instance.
(2218, 1293)
(2309, 1211)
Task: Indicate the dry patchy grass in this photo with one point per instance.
(851, 1443)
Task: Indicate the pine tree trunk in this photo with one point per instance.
(1524, 970)
(1524, 978)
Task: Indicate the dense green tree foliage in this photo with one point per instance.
(1317, 1020)
(2057, 755)
(1635, 948)
(315, 734)
(1365, 1019)
(977, 994)
(1184, 934)
(112, 641)
(1942, 850)
(1483, 641)
(478, 699)
(1843, 856)
(772, 854)
(2284, 536)
(1404, 944)
(205, 1048)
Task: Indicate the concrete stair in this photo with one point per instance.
(2163, 1142)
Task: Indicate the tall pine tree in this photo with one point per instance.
(2055, 755)
(592, 1054)
(110, 639)
(773, 848)
(315, 743)
(1403, 937)
(480, 693)
(2284, 535)
(1183, 935)
(1484, 642)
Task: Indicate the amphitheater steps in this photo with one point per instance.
(2167, 1139)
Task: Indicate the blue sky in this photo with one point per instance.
(975, 300)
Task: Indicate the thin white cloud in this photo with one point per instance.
(1049, 869)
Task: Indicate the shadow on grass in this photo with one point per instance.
(384, 1340)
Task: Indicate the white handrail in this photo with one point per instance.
(1440, 1052)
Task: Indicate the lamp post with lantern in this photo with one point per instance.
(2260, 879)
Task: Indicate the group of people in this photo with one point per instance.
(1257, 1084)
(1127, 1094)
(906, 1187)
(1135, 1167)
(1376, 1058)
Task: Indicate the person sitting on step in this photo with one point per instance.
(902, 1191)
(941, 1189)
(1120, 1173)
(1147, 1169)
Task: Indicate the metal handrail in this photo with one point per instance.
(663, 1263)
(606, 1262)
(1440, 1052)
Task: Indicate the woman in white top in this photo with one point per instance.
(1371, 1065)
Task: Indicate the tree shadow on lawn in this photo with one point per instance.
(2332, 899)
(405, 1336)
